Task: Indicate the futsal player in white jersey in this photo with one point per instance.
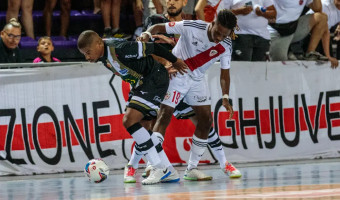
(201, 44)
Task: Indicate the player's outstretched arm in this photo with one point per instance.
(155, 29)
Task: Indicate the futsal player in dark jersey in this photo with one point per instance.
(149, 80)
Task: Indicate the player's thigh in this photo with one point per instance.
(178, 88)
(199, 94)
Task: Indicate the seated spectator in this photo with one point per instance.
(291, 27)
(207, 10)
(45, 48)
(253, 39)
(26, 7)
(332, 9)
(10, 38)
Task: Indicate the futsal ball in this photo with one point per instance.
(96, 170)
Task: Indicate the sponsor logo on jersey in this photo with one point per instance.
(301, 2)
(201, 99)
(212, 53)
(123, 71)
(158, 99)
(172, 24)
(131, 56)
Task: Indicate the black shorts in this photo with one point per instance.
(147, 97)
(183, 111)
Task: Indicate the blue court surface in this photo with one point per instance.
(311, 179)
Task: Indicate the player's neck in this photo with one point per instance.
(209, 33)
(174, 18)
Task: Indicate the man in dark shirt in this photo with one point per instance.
(132, 61)
(10, 38)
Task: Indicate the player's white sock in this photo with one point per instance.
(216, 147)
(145, 144)
(136, 156)
(197, 150)
(157, 139)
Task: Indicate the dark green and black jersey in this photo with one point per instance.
(132, 60)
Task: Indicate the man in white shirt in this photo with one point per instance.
(253, 39)
(201, 44)
(290, 27)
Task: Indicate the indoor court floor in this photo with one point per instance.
(312, 179)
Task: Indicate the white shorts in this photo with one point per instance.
(194, 93)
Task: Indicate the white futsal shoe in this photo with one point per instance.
(231, 171)
(156, 176)
(196, 175)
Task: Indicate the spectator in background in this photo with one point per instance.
(332, 9)
(65, 9)
(290, 27)
(45, 48)
(253, 39)
(143, 9)
(111, 17)
(26, 14)
(96, 7)
(207, 10)
(188, 10)
(10, 38)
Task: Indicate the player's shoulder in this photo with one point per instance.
(227, 42)
(195, 24)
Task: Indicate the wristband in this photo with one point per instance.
(225, 96)
(149, 34)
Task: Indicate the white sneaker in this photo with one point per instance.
(196, 175)
(231, 171)
(172, 178)
(129, 174)
(146, 172)
(156, 176)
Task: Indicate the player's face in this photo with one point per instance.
(92, 52)
(174, 7)
(11, 37)
(337, 4)
(45, 47)
(219, 32)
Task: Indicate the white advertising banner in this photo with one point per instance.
(56, 118)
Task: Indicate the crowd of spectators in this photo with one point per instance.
(266, 28)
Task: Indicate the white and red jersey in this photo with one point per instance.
(195, 48)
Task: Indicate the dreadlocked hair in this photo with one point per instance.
(227, 19)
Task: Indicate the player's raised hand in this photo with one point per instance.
(164, 39)
(228, 107)
(180, 66)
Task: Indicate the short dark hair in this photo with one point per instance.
(13, 22)
(227, 19)
(86, 38)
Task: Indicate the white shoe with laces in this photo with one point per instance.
(172, 178)
(231, 171)
(196, 175)
(156, 176)
(147, 171)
